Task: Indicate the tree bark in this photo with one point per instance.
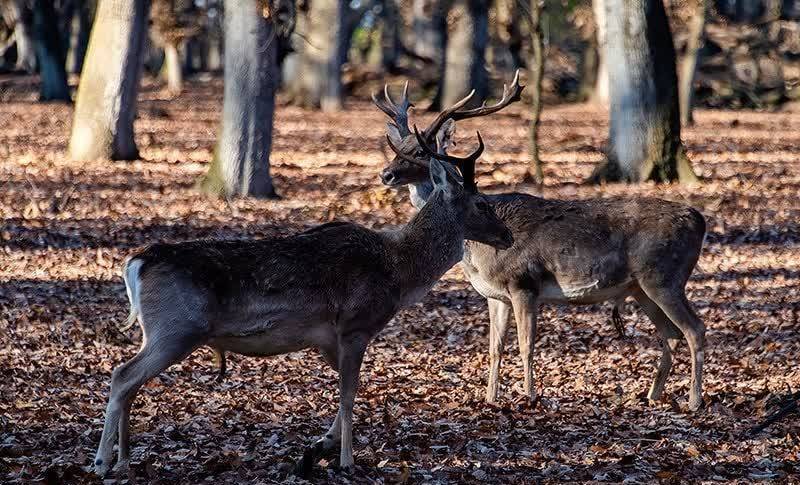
(49, 53)
(240, 166)
(429, 28)
(644, 129)
(20, 15)
(317, 79)
(690, 60)
(600, 92)
(106, 103)
(535, 172)
(465, 66)
(80, 27)
(173, 68)
(391, 45)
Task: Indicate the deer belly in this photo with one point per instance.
(582, 293)
(275, 333)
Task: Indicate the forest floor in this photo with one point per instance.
(419, 416)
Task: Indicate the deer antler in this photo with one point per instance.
(397, 112)
(511, 93)
(403, 155)
(465, 164)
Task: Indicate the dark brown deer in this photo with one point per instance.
(574, 252)
(332, 288)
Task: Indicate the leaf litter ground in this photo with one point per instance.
(420, 416)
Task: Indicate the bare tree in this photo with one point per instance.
(465, 64)
(317, 80)
(645, 129)
(391, 26)
(240, 166)
(80, 26)
(691, 58)
(171, 30)
(429, 28)
(106, 103)
(600, 92)
(50, 53)
(534, 14)
(17, 14)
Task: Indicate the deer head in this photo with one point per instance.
(459, 191)
(439, 133)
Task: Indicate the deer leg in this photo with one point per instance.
(351, 354)
(525, 313)
(222, 362)
(678, 309)
(126, 380)
(333, 436)
(668, 334)
(326, 443)
(499, 313)
(616, 318)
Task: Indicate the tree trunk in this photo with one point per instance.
(644, 129)
(690, 60)
(214, 62)
(240, 166)
(465, 67)
(81, 25)
(588, 69)
(537, 68)
(20, 15)
(173, 68)
(49, 53)
(106, 103)
(600, 92)
(390, 35)
(317, 82)
(429, 27)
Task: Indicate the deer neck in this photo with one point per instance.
(428, 246)
(419, 193)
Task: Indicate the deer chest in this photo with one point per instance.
(483, 284)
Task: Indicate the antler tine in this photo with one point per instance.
(511, 94)
(446, 114)
(397, 112)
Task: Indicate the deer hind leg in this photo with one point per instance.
(677, 308)
(525, 313)
(221, 362)
(668, 335)
(333, 436)
(126, 380)
(499, 313)
(351, 354)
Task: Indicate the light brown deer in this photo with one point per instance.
(573, 252)
(332, 288)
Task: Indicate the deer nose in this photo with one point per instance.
(387, 177)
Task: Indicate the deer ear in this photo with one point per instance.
(439, 177)
(444, 137)
(394, 134)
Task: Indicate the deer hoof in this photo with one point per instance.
(696, 403)
(310, 456)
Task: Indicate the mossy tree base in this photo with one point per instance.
(213, 184)
(679, 170)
